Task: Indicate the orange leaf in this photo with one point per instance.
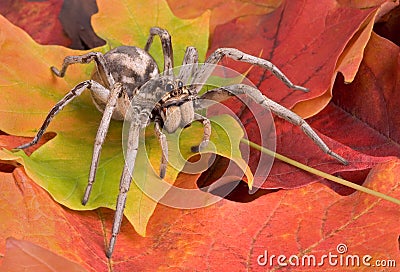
(232, 235)
(312, 220)
(28, 212)
(21, 255)
(38, 18)
(28, 93)
(309, 41)
(368, 108)
(222, 11)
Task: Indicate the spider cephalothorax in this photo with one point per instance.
(126, 85)
(176, 107)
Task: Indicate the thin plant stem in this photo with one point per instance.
(320, 173)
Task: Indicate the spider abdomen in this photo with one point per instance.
(129, 65)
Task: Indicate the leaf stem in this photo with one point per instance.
(320, 173)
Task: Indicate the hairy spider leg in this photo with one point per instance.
(189, 64)
(162, 139)
(186, 73)
(191, 57)
(73, 93)
(97, 57)
(207, 68)
(206, 133)
(125, 181)
(100, 137)
(166, 44)
(77, 90)
(288, 115)
(112, 97)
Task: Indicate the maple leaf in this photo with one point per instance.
(309, 57)
(311, 220)
(38, 18)
(308, 220)
(369, 105)
(23, 254)
(222, 11)
(29, 213)
(366, 108)
(61, 166)
(301, 38)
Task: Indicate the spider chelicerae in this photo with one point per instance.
(127, 86)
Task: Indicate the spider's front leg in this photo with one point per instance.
(204, 72)
(206, 132)
(223, 93)
(116, 92)
(189, 64)
(125, 182)
(164, 147)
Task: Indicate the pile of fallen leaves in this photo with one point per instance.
(330, 47)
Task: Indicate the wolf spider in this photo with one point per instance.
(127, 77)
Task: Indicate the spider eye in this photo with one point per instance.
(169, 87)
(180, 84)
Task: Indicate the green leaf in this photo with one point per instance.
(61, 166)
(127, 22)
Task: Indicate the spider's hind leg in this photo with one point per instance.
(75, 92)
(166, 43)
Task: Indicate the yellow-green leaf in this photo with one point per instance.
(28, 90)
